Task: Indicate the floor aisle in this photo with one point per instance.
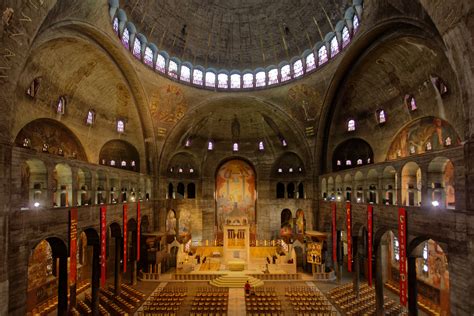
(236, 305)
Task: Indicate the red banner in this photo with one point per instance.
(103, 239)
(139, 223)
(72, 255)
(402, 239)
(349, 236)
(370, 216)
(125, 219)
(334, 236)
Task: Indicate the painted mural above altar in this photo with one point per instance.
(236, 196)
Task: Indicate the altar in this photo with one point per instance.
(236, 246)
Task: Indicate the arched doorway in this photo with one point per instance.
(236, 196)
(47, 275)
(173, 257)
(62, 177)
(286, 225)
(411, 184)
(441, 181)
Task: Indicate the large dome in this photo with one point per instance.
(235, 34)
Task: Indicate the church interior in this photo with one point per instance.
(238, 157)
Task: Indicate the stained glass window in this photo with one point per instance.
(396, 249)
(260, 79)
(173, 69)
(359, 161)
(185, 74)
(381, 116)
(90, 117)
(348, 163)
(160, 63)
(123, 163)
(126, 38)
(334, 46)
(322, 55)
(120, 126)
(425, 258)
(273, 76)
(351, 125)
(298, 68)
(148, 58)
(61, 107)
(285, 73)
(210, 79)
(116, 25)
(310, 62)
(222, 81)
(137, 48)
(355, 22)
(248, 80)
(197, 77)
(448, 141)
(210, 145)
(346, 37)
(261, 146)
(235, 147)
(235, 81)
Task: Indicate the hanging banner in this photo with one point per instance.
(139, 222)
(349, 236)
(370, 216)
(334, 235)
(125, 229)
(72, 255)
(103, 239)
(402, 239)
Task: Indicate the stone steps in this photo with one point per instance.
(235, 281)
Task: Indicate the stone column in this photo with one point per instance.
(356, 266)
(379, 284)
(62, 286)
(412, 287)
(398, 188)
(93, 188)
(51, 186)
(425, 189)
(95, 282)
(117, 270)
(75, 187)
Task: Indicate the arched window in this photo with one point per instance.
(301, 191)
(33, 88)
(191, 191)
(334, 46)
(273, 76)
(123, 163)
(120, 126)
(359, 161)
(160, 63)
(185, 74)
(298, 68)
(137, 48)
(115, 25)
(112, 162)
(173, 69)
(310, 62)
(222, 81)
(248, 80)
(381, 117)
(261, 146)
(280, 190)
(210, 145)
(285, 73)
(338, 162)
(180, 190)
(346, 37)
(355, 23)
(351, 125)
(396, 249)
(448, 141)
(283, 142)
(235, 81)
(90, 117)
(61, 106)
(197, 77)
(148, 58)
(235, 147)
(322, 55)
(210, 79)
(187, 143)
(126, 38)
(290, 190)
(348, 163)
(425, 258)
(260, 79)
(170, 191)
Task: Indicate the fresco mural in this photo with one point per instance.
(184, 222)
(286, 228)
(300, 222)
(422, 135)
(168, 104)
(304, 102)
(236, 197)
(46, 135)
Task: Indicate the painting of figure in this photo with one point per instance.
(422, 135)
(235, 196)
(184, 222)
(300, 222)
(171, 223)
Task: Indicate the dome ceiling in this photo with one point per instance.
(235, 33)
